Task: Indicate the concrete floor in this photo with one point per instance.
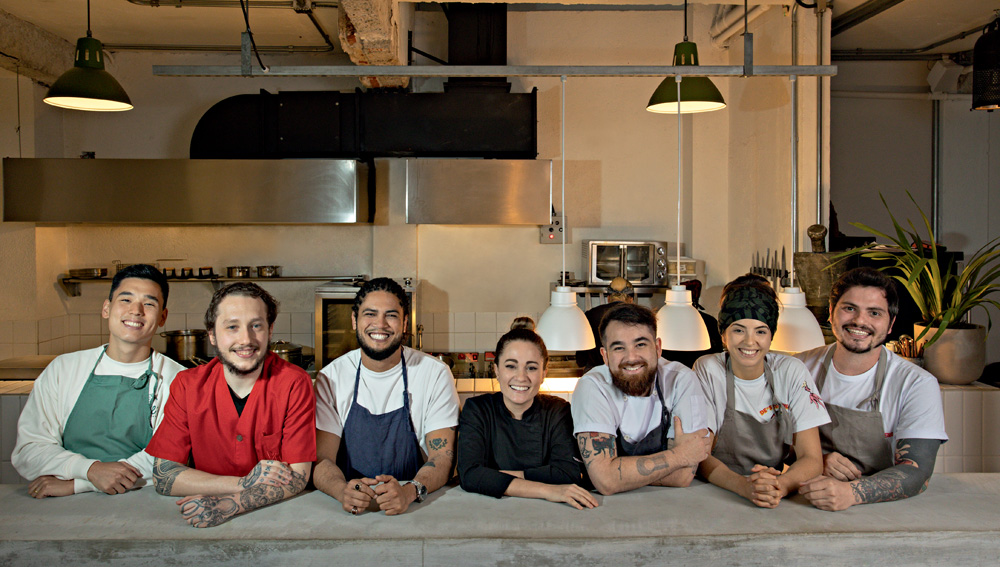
(956, 522)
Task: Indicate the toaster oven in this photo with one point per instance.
(641, 262)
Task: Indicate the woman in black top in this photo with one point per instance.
(518, 442)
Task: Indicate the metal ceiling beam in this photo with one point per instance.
(915, 54)
(865, 11)
(497, 71)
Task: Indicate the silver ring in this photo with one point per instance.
(354, 510)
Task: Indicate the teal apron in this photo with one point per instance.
(112, 418)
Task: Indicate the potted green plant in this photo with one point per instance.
(954, 351)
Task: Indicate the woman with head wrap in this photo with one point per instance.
(765, 406)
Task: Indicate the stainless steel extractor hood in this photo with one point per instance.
(181, 191)
(478, 191)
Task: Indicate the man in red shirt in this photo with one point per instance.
(239, 432)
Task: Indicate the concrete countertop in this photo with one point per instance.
(957, 520)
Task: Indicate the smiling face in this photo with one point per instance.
(241, 335)
(134, 314)
(860, 319)
(520, 369)
(631, 353)
(380, 324)
(747, 341)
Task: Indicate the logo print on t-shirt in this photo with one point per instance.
(815, 399)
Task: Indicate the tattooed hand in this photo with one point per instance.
(207, 511)
(267, 473)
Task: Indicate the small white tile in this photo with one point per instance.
(486, 322)
(63, 345)
(25, 332)
(283, 323)
(194, 321)
(504, 321)
(444, 322)
(91, 341)
(465, 322)
(972, 464)
(60, 326)
(991, 464)
(303, 339)
(24, 350)
(427, 320)
(45, 347)
(302, 323)
(175, 322)
(953, 423)
(90, 324)
(464, 342)
(73, 324)
(44, 330)
(486, 342)
(991, 423)
(953, 464)
(430, 342)
(6, 351)
(6, 332)
(275, 337)
(72, 343)
(972, 421)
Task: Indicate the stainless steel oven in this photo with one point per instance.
(334, 300)
(640, 262)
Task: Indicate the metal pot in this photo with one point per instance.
(187, 344)
(238, 271)
(290, 352)
(268, 271)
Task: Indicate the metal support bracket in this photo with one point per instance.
(246, 65)
(302, 6)
(748, 55)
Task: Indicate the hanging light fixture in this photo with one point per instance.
(679, 326)
(797, 329)
(564, 326)
(986, 69)
(698, 94)
(87, 86)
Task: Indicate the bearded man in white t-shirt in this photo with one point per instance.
(887, 420)
(386, 414)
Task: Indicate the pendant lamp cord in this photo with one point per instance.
(562, 154)
(685, 20)
(746, 16)
(679, 181)
(245, 6)
(88, 19)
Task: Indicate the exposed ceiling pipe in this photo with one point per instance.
(915, 54)
(730, 23)
(862, 13)
(294, 4)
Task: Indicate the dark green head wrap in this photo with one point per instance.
(748, 303)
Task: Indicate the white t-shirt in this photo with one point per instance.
(39, 450)
(598, 406)
(910, 402)
(794, 387)
(433, 398)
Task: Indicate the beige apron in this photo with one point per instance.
(742, 441)
(857, 434)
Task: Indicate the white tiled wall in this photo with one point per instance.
(972, 420)
(466, 331)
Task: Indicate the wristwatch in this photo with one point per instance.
(421, 490)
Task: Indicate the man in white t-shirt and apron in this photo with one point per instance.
(91, 413)
(887, 420)
(386, 414)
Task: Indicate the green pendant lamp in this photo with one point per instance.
(87, 86)
(698, 94)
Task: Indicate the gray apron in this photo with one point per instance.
(857, 434)
(742, 441)
(654, 441)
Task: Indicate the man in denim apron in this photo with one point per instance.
(886, 416)
(630, 415)
(92, 412)
(385, 414)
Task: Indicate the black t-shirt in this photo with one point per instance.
(238, 401)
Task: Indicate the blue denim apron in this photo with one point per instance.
(112, 418)
(379, 444)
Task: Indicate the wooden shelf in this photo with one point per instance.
(71, 286)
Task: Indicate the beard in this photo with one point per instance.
(874, 341)
(635, 386)
(236, 371)
(378, 354)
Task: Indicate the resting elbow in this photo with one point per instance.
(160, 484)
(603, 485)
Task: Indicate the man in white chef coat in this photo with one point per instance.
(886, 417)
(639, 419)
(91, 413)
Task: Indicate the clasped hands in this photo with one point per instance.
(391, 496)
(831, 490)
(763, 488)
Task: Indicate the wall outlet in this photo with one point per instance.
(552, 233)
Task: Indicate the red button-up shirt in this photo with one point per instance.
(200, 420)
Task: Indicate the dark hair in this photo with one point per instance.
(866, 277)
(759, 283)
(523, 329)
(381, 284)
(246, 289)
(629, 314)
(143, 272)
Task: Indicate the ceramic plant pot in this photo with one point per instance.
(958, 356)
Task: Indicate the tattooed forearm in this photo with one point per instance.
(649, 465)
(208, 511)
(164, 474)
(910, 476)
(603, 443)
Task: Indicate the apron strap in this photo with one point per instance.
(779, 412)
(874, 399)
